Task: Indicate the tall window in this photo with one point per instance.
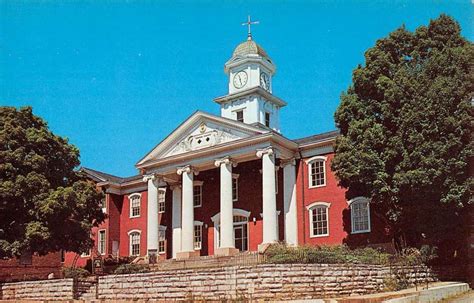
(161, 200)
(319, 219)
(135, 201)
(103, 205)
(235, 187)
(317, 171)
(360, 215)
(161, 239)
(240, 115)
(197, 195)
(197, 236)
(267, 119)
(101, 242)
(134, 243)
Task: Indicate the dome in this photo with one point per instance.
(249, 47)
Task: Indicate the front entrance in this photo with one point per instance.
(241, 237)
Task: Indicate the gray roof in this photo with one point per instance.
(99, 176)
(249, 47)
(319, 137)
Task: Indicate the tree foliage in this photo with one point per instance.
(406, 137)
(45, 204)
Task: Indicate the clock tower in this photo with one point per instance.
(250, 98)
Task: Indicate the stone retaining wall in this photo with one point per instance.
(282, 282)
(59, 289)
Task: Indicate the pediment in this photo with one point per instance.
(201, 131)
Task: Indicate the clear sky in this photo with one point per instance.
(116, 77)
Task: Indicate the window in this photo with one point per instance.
(134, 243)
(267, 119)
(161, 200)
(86, 254)
(161, 239)
(360, 215)
(317, 171)
(319, 219)
(235, 187)
(103, 205)
(101, 242)
(197, 235)
(135, 200)
(240, 115)
(197, 195)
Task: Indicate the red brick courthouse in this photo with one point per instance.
(222, 184)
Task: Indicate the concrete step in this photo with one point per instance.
(434, 294)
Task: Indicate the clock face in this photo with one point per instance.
(264, 81)
(240, 79)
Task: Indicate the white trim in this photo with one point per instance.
(235, 212)
(105, 241)
(161, 228)
(200, 224)
(316, 158)
(235, 177)
(161, 189)
(360, 200)
(310, 213)
(198, 184)
(309, 162)
(130, 205)
(130, 232)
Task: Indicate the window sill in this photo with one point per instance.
(317, 186)
(360, 232)
(132, 217)
(197, 206)
(161, 212)
(319, 236)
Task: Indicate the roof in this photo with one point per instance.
(99, 176)
(249, 47)
(319, 137)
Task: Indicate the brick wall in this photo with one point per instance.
(277, 282)
(40, 268)
(60, 289)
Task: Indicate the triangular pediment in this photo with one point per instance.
(200, 131)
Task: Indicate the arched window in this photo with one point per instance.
(135, 202)
(360, 215)
(134, 239)
(319, 219)
(317, 171)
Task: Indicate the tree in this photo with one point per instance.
(406, 132)
(45, 204)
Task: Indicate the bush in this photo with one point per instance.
(71, 272)
(280, 253)
(131, 269)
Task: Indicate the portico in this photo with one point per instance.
(260, 149)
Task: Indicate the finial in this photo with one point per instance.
(249, 23)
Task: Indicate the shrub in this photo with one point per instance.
(281, 253)
(131, 269)
(72, 272)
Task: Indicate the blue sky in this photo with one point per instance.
(116, 77)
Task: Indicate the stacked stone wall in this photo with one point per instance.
(59, 289)
(281, 282)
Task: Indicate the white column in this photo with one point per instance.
(187, 211)
(226, 204)
(270, 232)
(289, 201)
(176, 219)
(152, 214)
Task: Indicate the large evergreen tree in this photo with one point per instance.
(406, 132)
(45, 204)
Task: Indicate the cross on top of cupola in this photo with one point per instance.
(249, 23)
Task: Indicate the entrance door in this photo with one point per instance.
(240, 236)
